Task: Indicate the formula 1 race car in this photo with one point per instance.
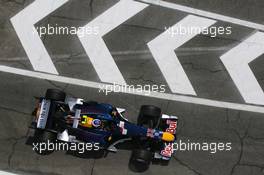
(67, 119)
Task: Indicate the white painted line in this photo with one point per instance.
(6, 173)
(24, 23)
(236, 62)
(164, 96)
(95, 46)
(162, 48)
(204, 13)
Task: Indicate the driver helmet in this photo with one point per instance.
(96, 123)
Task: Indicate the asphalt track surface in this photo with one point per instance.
(197, 123)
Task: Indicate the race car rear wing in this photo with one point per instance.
(43, 114)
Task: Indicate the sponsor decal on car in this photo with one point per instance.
(168, 149)
(172, 126)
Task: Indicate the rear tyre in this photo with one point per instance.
(45, 142)
(149, 116)
(55, 94)
(140, 160)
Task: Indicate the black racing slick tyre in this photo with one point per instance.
(140, 160)
(149, 116)
(55, 94)
(44, 142)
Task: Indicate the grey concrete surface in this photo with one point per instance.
(196, 123)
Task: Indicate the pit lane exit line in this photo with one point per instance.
(164, 96)
(203, 13)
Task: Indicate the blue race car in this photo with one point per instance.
(73, 120)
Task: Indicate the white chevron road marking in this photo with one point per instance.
(163, 96)
(95, 46)
(162, 49)
(236, 62)
(24, 23)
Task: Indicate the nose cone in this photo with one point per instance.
(168, 137)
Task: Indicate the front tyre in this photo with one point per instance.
(149, 116)
(55, 94)
(140, 160)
